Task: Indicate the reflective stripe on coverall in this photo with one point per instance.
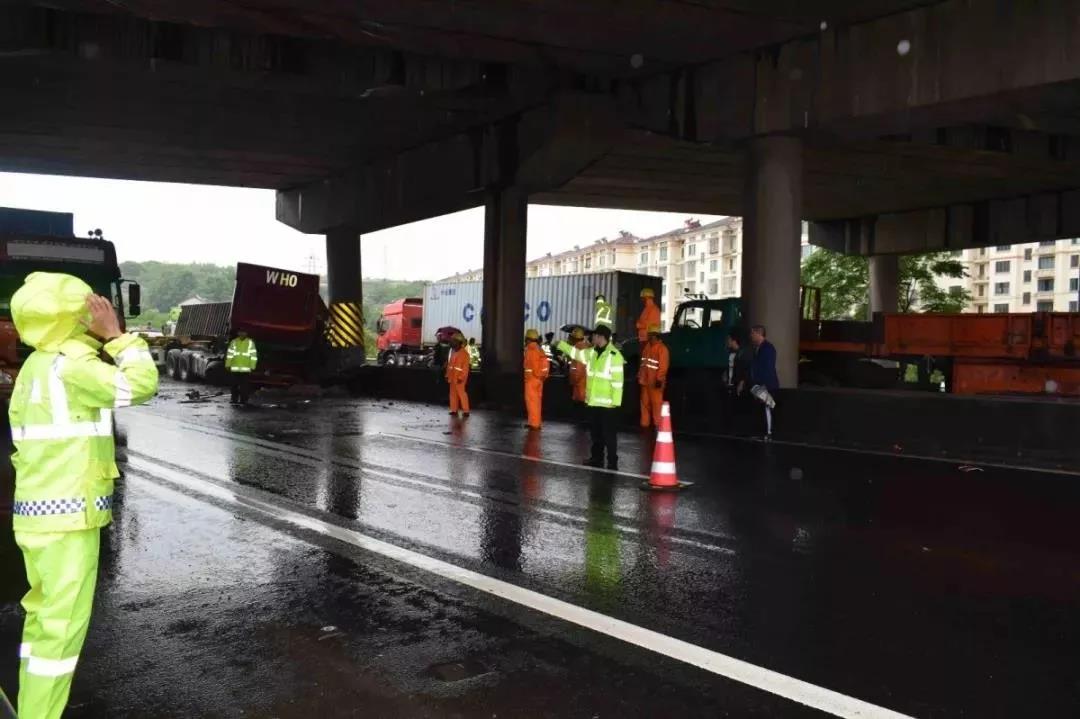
(655, 361)
(61, 425)
(537, 368)
(457, 376)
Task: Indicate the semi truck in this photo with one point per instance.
(280, 309)
(1019, 353)
(409, 329)
(37, 241)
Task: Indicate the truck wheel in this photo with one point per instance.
(184, 368)
(172, 364)
(391, 359)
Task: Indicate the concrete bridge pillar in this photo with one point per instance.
(345, 295)
(772, 231)
(884, 283)
(505, 224)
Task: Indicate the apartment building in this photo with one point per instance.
(602, 255)
(698, 259)
(1031, 277)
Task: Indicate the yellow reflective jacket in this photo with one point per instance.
(243, 355)
(61, 407)
(604, 370)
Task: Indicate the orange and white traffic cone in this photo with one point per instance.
(664, 477)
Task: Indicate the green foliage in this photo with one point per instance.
(845, 283)
(919, 289)
(167, 284)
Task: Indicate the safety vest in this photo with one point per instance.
(62, 427)
(242, 356)
(603, 373)
(474, 356)
(604, 314)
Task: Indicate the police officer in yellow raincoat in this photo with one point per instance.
(61, 424)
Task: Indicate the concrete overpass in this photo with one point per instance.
(893, 125)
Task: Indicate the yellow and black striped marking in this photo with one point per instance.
(346, 327)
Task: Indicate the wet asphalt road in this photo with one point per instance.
(913, 585)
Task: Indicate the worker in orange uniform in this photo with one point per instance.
(537, 368)
(650, 315)
(578, 372)
(457, 375)
(652, 376)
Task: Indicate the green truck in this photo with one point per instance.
(697, 338)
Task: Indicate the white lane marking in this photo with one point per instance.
(500, 453)
(448, 487)
(781, 685)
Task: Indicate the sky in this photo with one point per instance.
(225, 225)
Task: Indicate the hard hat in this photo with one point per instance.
(532, 335)
(577, 334)
(647, 292)
(654, 329)
(600, 298)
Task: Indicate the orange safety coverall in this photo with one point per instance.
(457, 376)
(655, 361)
(578, 375)
(537, 369)
(650, 316)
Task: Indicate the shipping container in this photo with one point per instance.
(209, 320)
(550, 303)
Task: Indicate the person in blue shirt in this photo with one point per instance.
(763, 380)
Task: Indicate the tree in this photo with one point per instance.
(920, 290)
(173, 289)
(845, 283)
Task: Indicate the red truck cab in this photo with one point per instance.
(400, 329)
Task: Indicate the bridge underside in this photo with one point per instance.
(893, 125)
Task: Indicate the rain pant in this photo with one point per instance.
(655, 361)
(61, 425)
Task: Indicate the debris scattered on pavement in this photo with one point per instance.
(796, 473)
(969, 468)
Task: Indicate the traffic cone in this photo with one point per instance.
(664, 477)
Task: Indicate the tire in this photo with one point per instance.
(172, 364)
(392, 359)
(184, 368)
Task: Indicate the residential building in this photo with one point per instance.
(1030, 277)
(602, 255)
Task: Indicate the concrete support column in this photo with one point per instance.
(343, 265)
(772, 231)
(505, 223)
(346, 295)
(884, 283)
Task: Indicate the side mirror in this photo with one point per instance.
(134, 300)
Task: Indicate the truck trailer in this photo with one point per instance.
(280, 309)
(409, 329)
